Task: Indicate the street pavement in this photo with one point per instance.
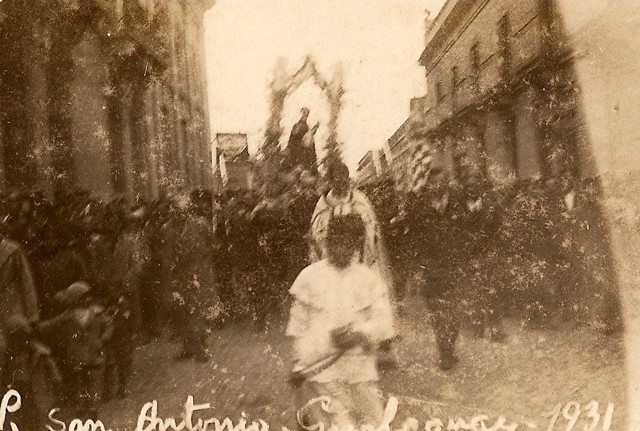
(575, 375)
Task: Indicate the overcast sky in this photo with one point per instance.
(378, 43)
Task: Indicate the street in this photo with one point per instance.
(519, 379)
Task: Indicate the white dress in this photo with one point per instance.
(326, 298)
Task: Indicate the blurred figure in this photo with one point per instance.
(18, 312)
(194, 291)
(341, 200)
(175, 214)
(18, 295)
(131, 255)
(341, 311)
(245, 249)
(223, 262)
(16, 219)
(151, 287)
(428, 234)
(82, 329)
(301, 150)
(119, 348)
(592, 285)
(57, 263)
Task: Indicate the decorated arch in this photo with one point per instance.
(285, 83)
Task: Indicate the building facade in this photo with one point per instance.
(400, 146)
(234, 168)
(103, 95)
(546, 88)
(501, 94)
(366, 170)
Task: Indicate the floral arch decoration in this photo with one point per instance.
(284, 84)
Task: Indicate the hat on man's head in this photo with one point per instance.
(72, 294)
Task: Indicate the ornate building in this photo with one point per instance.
(104, 95)
(546, 88)
(502, 92)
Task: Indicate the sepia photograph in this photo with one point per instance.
(319, 215)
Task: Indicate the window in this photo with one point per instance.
(439, 91)
(454, 84)
(474, 57)
(454, 78)
(504, 45)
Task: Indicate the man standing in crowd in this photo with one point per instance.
(131, 253)
(18, 299)
(194, 290)
(343, 199)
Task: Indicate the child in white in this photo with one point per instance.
(341, 311)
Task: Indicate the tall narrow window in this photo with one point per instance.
(439, 91)
(454, 78)
(454, 84)
(474, 57)
(504, 46)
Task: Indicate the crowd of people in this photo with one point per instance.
(477, 252)
(94, 279)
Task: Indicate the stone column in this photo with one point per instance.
(153, 133)
(139, 146)
(472, 140)
(59, 98)
(528, 142)
(39, 113)
(16, 87)
(128, 169)
(116, 147)
(499, 138)
(160, 143)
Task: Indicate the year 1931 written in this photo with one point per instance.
(572, 411)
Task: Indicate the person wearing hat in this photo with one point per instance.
(82, 331)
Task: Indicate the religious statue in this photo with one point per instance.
(301, 147)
